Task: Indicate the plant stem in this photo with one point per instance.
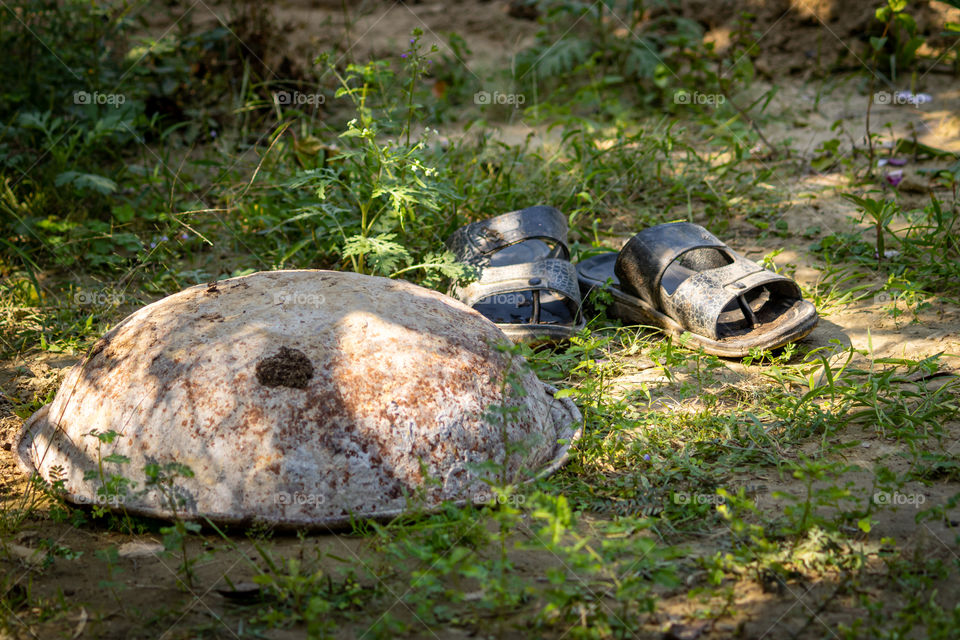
(880, 246)
(870, 94)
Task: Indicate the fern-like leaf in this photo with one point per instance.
(381, 252)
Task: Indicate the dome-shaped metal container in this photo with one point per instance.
(298, 398)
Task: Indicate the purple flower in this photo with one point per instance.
(164, 238)
(184, 236)
(646, 456)
(403, 55)
(412, 40)
(153, 245)
(894, 178)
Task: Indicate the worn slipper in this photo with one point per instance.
(527, 285)
(680, 278)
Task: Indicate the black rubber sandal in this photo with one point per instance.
(680, 278)
(527, 285)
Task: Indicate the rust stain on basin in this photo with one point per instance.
(299, 398)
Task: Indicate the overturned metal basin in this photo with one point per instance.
(298, 398)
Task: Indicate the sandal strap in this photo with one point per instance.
(646, 256)
(547, 274)
(697, 301)
(476, 242)
(700, 299)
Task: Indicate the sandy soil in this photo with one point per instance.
(802, 38)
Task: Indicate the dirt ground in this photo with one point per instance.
(800, 38)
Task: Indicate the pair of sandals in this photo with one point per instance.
(677, 277)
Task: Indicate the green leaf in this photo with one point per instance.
(105, 437)
(401, 196)
(128, 241)
(562, 57)
(381, 252)
(438, 265)
(907, 22)
(910, 47)
(181, 470)
(152, 471)
(84, 181)
(716, 576)
(642, 61)
(123, 212)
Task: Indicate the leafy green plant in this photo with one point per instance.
(163, 478)
(821, 491)
(388, 183)
(899, 37)
(611, 44)
(305, 595)
(881, 213)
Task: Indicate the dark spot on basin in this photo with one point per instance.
(288, 368)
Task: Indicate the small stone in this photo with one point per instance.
(139, 549)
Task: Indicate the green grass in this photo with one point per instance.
(703, 492)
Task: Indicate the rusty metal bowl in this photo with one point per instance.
(298, 398)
